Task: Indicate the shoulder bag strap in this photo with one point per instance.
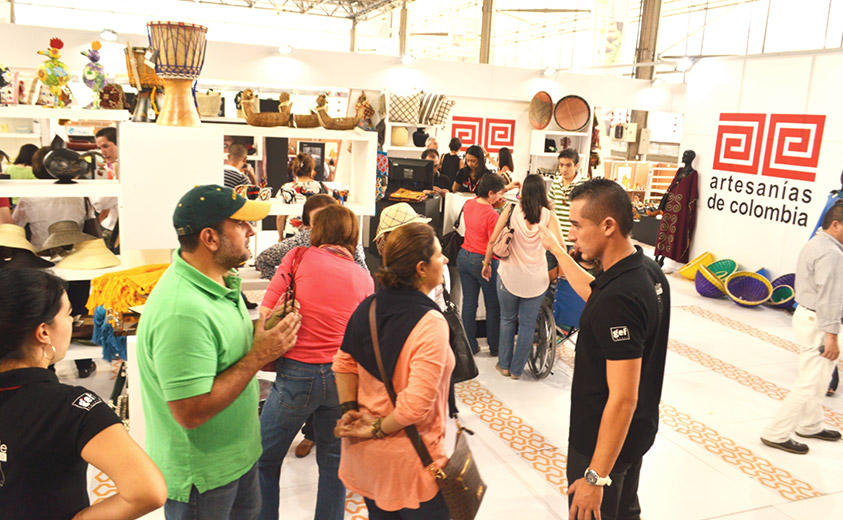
(511, 211)
(412, 432)
(459, 218)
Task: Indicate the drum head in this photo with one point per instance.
(541, 110)
(572, 113)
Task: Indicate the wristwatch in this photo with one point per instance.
(594, 479)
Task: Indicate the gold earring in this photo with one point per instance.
(422, 279)
(54, 353)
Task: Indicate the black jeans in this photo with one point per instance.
(620, 500)
(433, 509)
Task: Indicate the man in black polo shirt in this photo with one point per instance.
(621, 348)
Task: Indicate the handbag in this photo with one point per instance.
(289, 295)
(459, 481)
(452, 242)
(91, 225)
(465, 367)
(503, 244)
(209, 103)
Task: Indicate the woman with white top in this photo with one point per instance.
(523, 275)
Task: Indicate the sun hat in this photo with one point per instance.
(64, 233)
(13, 258)
(91, 254)
(14, 236)
(205, 206)
(397, 215)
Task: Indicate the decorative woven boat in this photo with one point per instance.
(748, 289)
(689, 270)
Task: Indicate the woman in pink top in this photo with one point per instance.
(523, 275)
(328, 287)
(378, 459)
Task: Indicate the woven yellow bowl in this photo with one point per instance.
(689, 270)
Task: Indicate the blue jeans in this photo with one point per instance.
(238, 500)
(521, 314)
(433, 509)
(302, 389)
(470, 266)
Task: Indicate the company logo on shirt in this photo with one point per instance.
(3, 458)
(87, 401)
(619, 333)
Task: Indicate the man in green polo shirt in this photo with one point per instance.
(198, 354)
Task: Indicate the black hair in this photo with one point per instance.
(109, 133)
(30, 297)
(429, 151)
(490, 182)
(505, 159)
(189, 243)
(454, 144)
(477, 152)
(605, 198)
(570, 153)
(25, 154)
(835, 212)
(533, 198)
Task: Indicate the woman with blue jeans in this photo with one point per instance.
(304, 383)
(480, 218)
(522, 276)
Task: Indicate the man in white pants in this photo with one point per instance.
(816, 325)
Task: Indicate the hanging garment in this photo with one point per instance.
(679, 218)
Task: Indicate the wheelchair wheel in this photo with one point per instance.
(543, 354)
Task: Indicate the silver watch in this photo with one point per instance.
(594, 479)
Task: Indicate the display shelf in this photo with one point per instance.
(279, 207)
(19, 135)
(411, 125)
(404, 148)
(565, 133)
(80, 351)
(74, 275)
(41, 112)
(49, 188)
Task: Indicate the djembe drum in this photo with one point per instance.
(179, 54)
(150, 97)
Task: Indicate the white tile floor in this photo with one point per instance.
(727, 369)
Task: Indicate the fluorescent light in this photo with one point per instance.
(685, 64)
(108, 35)
(285, 49)
(407, 59)
(550, 71)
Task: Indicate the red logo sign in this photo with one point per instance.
(468, 129)
(791, 148)
(472, 131)
(499, 133)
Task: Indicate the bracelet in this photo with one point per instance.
(348, 405)
(377, 433)
(485, 263)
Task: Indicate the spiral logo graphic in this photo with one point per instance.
(468, 129)
(740, 138)
(499, 133)
(793, 146)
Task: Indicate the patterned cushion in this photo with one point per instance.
(443, 112)
(404, 109)
(429, 105)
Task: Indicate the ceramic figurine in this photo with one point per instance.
(53, 72)
(93, 74)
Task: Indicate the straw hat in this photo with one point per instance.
(64, 233)
(397, 215)
(14, 236)
(91, 254)
(13, 258)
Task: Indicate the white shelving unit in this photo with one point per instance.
(49, 188)
(405, 151)
(580, 141)
(42, 112)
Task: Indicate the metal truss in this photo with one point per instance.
(358, 10)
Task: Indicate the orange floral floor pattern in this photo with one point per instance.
(759, 468)
(746, 329)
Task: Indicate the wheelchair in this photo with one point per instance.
(545, 339)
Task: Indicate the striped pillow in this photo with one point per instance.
(404, 109)
(443, 112)
(429, 105)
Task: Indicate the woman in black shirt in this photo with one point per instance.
(451, 162)
(474, 170)
(49, 432)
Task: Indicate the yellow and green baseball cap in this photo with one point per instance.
(205, 206)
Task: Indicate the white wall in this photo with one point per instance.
(786, 84)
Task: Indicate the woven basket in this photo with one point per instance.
(782, 297)
(723, 268)
(748, 289)
(689, 270)
(708, 284)
(785, 279)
